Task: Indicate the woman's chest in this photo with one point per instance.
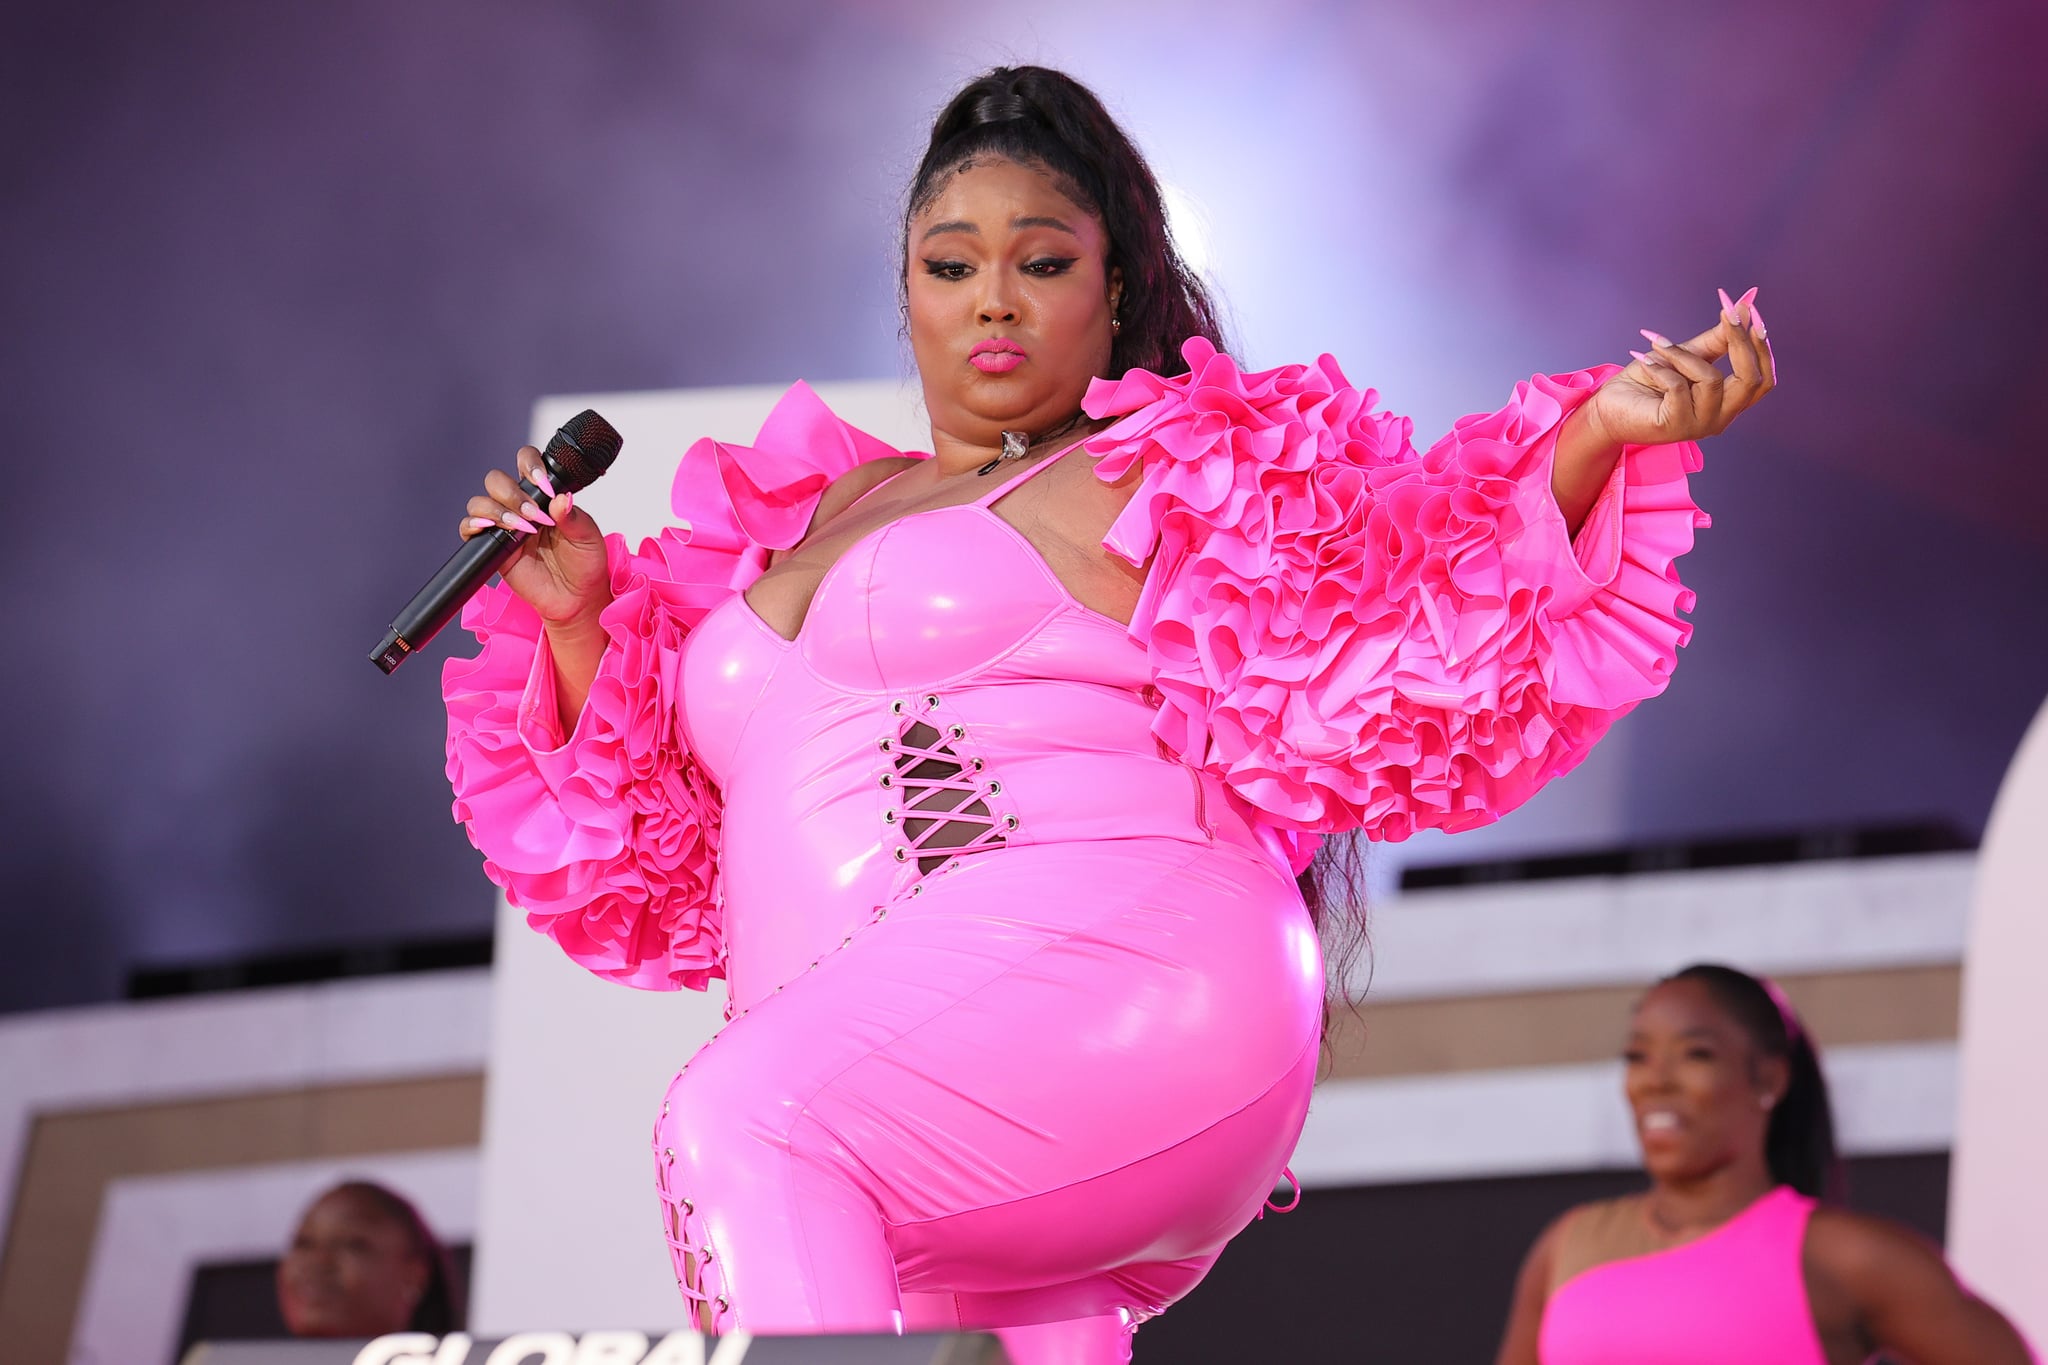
(1055, 511)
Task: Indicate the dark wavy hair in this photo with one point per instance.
(1799, 1144)
(1048, 120)
(440, 1309)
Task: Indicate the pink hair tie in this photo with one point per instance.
(1786, 1014)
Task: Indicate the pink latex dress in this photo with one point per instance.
(1025, 1001)
(1737, 1293)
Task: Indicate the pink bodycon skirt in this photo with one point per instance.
(1037, 1091)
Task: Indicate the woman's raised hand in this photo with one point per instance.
(560, 568)
(1676, 392)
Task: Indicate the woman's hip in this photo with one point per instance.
(1028, 1018)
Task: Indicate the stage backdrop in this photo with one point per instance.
(1998, 1193)
(283, 280)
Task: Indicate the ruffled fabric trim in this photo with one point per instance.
(1352, 635)
(608, 839)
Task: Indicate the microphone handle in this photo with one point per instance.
(435, 605)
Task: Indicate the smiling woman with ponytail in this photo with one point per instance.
(1740, 1249)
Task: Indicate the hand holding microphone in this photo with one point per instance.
(529, 529)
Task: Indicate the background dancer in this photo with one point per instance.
(1734, 1252)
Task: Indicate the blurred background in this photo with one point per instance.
(282, 281)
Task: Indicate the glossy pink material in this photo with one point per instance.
(1738, 1293)
(1356, 636)
(1033, 1053)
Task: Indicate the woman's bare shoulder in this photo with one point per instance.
(842, 491)
(1858, 1246)
(1897, 1293)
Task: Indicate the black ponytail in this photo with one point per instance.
(1800, 1141)
(1047, 119)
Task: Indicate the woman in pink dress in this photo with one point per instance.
(985, 778)
(1730, 1255)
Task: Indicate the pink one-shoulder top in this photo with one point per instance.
(1736, 1294)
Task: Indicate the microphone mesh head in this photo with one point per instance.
(582, 450)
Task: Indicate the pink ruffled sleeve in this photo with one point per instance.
(1357, 636)
(608, 836)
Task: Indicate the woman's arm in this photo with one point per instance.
(1532, 1292)
(1585, 461)
(1906, 1299)
(1671, 393)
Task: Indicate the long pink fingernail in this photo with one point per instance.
(1748, 298)
(1727, 304)
(530, 511)
(564, 505)
(513, 519)
(1645, 359)
(481, 524)
(1756, 322)
(1656, 338)
(539, 479)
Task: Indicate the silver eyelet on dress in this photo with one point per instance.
(888, 817)
(995, 789)
(669, 1152)
(887, 779)
(1009, 822)
(886, 745)
(957, 731)
(688, 1207)
(896, 707)
(902, 855)
(880, 914)
(931, 699)
(975, 764)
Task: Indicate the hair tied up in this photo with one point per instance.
(1799, 1139)
(1049, 121)
(1001, 106)
(1787, 1016)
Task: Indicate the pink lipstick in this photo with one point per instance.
(997, 355)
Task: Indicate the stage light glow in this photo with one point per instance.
(1188, 220)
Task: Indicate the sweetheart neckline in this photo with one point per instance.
(1067, 599)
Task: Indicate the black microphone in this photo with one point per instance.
(575, 456)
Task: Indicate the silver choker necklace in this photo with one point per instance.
(1018, 444)
(1015, 445)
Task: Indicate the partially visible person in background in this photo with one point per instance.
(362, 1263)
(1737, 1251)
